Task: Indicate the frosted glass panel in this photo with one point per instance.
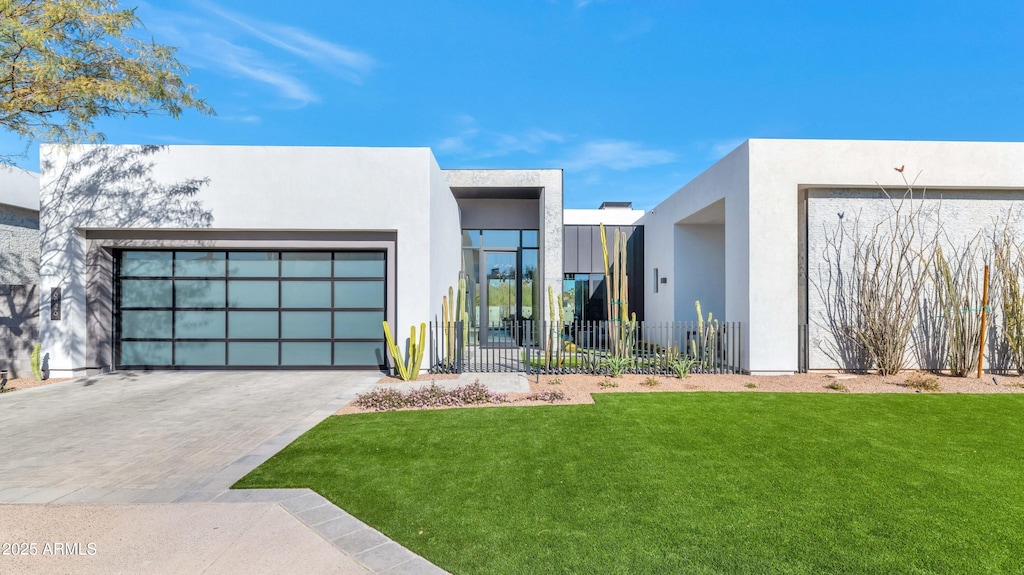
(358, 324)
(359, 294)
(252, 353)
(146, 353)
(306, 324)
(146, 293)
(359, 353)
(252, 264)
(305, 294)
(252, 294)
(198, 293)
(199, 353)
(252, 325)
(359, 264)
(304, 353)
(199, 324)
(199, 264)
(145, 324)
(145, 264)
(306, 265)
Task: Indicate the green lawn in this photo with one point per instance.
(684, 483)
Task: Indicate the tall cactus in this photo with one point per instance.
(556, 321)
(621, 324)
(407, 366)
(453, 311)
(705, 347)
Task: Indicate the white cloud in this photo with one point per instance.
(253, 65)
(471, 140)
(619, 155)
(350, 64)
(226, 43)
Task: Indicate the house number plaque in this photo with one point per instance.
(55, 303)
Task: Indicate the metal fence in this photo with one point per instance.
(803, 349)
(592, 347)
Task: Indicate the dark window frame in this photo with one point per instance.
(226, 309)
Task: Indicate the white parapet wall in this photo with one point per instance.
(301, 190)
(757, 192)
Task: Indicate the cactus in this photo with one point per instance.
(705, 346)
(622, 324)
(557, 320)
(450, 318)
(408, 369)
(35, 361)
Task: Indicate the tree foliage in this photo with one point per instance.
(65, 63)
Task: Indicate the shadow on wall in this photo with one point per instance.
(19, 327)
(109, 187)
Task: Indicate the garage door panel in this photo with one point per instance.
(146, 353)
(200, 264)
(146, 324)
(199, 325)
(147, 293)
(250, 309)
(250, 353)
(253, 294)
(306, 294)
(200, 353)
(253, 265)
(253, 325)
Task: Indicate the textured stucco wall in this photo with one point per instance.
(549, 216)
(19, 327)
(760, 183)
(716, 198)
(237, 188)
(954, 218)
(19, 245)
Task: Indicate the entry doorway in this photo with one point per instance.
(502, 284)
(499, 309)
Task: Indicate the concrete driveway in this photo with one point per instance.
(129, 473)
(157, 437)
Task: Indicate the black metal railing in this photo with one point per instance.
(593, 347)
(803, 349)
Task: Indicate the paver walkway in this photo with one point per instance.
(102, 460)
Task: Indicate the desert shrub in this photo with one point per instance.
(750, 385)
(923, 382)
(616, 365)
(555, 381)
(550, 396)
(871, 303)
(958, 292)
(388, 399)
(836, 386)
(651, 382)
(1009, 270)
(607, 383)
(682, 366)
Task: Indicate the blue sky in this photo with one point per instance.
(632, 98)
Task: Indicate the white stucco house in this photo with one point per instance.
(221, 257)
(748, 236)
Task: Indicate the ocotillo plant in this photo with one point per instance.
(1009, 262)
(621, 324)
(407, 366)
(450, 318)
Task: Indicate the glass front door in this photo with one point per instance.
(498, 301)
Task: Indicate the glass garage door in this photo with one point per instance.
(248, 309)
